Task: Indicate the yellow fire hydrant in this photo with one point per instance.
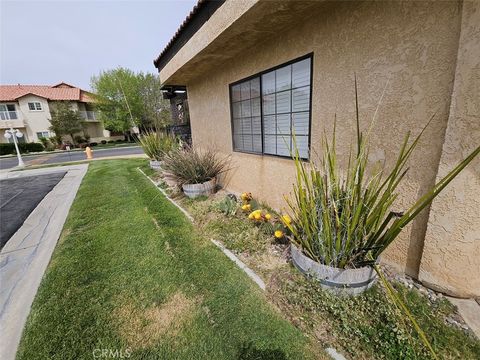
(89, 152)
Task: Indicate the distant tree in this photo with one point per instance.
(126, 99)
(65, 120)
(156, 108)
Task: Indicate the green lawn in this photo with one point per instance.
(131, 274)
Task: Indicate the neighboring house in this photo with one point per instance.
(254, 70)
(28, 108)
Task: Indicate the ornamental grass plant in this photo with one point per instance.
(193, 166)
(157, 144)
(344, 219)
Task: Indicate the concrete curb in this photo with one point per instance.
(185, 212)
(27, 254)
(251, 274)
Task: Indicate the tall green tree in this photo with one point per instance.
(156, 109)
(65, 120)
(126, 99)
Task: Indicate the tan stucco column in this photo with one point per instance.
(451, 257)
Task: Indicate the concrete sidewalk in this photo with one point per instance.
(26, 255)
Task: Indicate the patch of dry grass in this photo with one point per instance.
(142, 328)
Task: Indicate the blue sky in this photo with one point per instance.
(45, 42)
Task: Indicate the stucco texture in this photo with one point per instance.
(451, 260)
(412, 46)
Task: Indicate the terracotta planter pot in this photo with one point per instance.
(195, 190)
(155, 164)
(340, 281)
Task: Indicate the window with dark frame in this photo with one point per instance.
(268, 108)
(34, 106)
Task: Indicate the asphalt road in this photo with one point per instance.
(18, 198)
(53, 158)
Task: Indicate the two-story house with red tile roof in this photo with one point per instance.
(28, 108)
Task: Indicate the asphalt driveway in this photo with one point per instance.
(19, 196)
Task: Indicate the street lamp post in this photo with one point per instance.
(15, 133)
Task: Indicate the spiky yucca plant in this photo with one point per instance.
(157, 144)
(345, 219)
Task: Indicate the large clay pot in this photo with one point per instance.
(340, 281)
(195, 190)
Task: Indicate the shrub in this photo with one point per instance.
(47, 143)
(111, 141)
(103, 142)
(191, 166)
(155, 145)
(7, 148)
(119, 140)
(79, 139)
(93, 144)
(345, 219)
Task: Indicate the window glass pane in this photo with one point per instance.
(256, 107)
(301, 73)
(31, 106)
(284, 78)
(301, 99)
(246, 108)
(245, 104)
(283, 102)
(256, 125)
(269, 125)
(237, 142)
(255, 87)
(270, 144)
(10, 107)
(283, 124)
(38, 106)
(3, 107)
(268, 83)
(245, 90)
(257, 143)
(283, 145)
(300, 123)
(269, 104)
(237, 126)
(302, 146)
(246, 126)
(237, 109)
(236, 93)
(247, 142)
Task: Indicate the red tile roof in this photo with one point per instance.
(55, 92)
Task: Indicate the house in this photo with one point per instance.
(256, 70)
(28, 108)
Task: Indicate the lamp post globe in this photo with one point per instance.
(14, 134)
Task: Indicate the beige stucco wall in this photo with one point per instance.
(35, 121)
(414, 45)
(451, 260)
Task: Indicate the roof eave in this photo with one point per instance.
(194, 21)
